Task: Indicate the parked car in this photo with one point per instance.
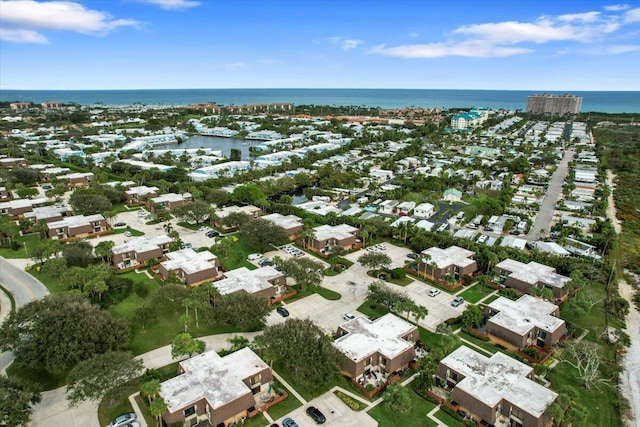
(381, 246)
(316, 415)
(348, 316)
(120, 224)
(204, 228)
(212, 233)
(413, 255)
(265, 261)
(288, 422)
(186, 245)
(515, 232)
(47, 187)
(123, 419)
(254, 257)
(433, 292)
(282, 311)
(127, 233)
(457, 301)
(483, 238)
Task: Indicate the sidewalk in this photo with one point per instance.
(6, 306)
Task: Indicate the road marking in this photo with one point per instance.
(21, 283)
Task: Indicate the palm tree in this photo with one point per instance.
(307, 236)
(150, 389)
(157, 408)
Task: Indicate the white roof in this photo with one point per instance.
(513, 242)
(286, 222)
(217, 379)
(170, 197)
(243, 279)
(22, 203)
(75, 221)
(340, 232)
(224, 212)
(424, 207)
(142, 190)
(142, 244)
(522, 315)
(533, 273)
(551, 247)
(424, 224)
(491, 380)
(189, 260)
(75, 175)
(45, 212)
(453, 255)
(365, 337)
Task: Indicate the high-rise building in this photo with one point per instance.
(554, 104)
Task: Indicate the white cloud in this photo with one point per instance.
(632, 15)
(22, 36)
(28, 18)
(618, 49)
(233, 66)
(345, 44)
(507, 38)
(172, 4)
(413, 35)
(616, 7)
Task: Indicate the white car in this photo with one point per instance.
(253, 257)
(123, 420)
(381, 247)
(348, 316)
(433, 292)
(372, 249)
(127, 233)
(483, 238)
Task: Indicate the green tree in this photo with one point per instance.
(567, 410)
(261, 235)
(57, 332)
(150, 389)
(26, 176)
(196, 211)
(380, 293)
(157, 408)
(145, 315)
(425, 377)
(305, 271)
(86, 203)
(374, 260)
(397, 399)
(236, 219)
(302, 349)
(17, 400)
(104, 250)
(185, 345)
(79, 253)
(238, 342)
(55, 267)
(236, 155)
(100, 375)
(248, 194)
(472, 316)
(243, 310)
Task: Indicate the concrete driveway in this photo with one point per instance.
(53, 411)
(337, 413)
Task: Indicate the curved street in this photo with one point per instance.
(24, 288)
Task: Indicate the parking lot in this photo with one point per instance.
(337, 413)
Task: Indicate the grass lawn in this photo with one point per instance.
(27, 243)
(236, 257)
(284, 407)
(491, 299)
(54, 284)
(475, 293)
(327, 293)
(415, 416)
(133, 231)
(483, 344)
(447, 419)
(45, 379)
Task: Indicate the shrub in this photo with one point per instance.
(369, 387)
(119, 288)
(398, 273)
(533, 352)
(351, 403)
(141, 289)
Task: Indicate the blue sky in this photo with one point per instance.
(149, 44)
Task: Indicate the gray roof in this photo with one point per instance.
(189, 260)
(533, 273)
(491, 380)
(453, 255)
(524, 314)
(250, 281)
(142, 244)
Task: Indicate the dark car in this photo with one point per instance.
(413, 255)
(282, 311)
(212, 233)
(515, 232)
(120, 224)
(288, 422)
(316, 415)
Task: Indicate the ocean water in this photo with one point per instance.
(609, 102)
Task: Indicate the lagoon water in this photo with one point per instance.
(608, 102)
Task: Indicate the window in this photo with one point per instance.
(189, 411)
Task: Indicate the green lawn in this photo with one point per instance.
(447, 419)
(54, 284)
(491, 299)
(133, 231)
(44, 379)
(475, 293)
(327, 293)
(284, 407)
(236, 257)
(27, 246)
(415, 416)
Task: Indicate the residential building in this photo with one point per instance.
(77, 178)
(190, 266)
(525, 322)
(140, 194)
(454, 261)
(4, 193)
(77, 226)
(522, 277)
(17, 207)
(384, 345)
(47, 213)
(220, 390)
(554, 104)
(12, 162)
(136, 252)
(494, 387)
(265, 281)
(470, 120)
(168, 201)
(250, 211)
(388, 206)
(292, 224)
(48, 105)
(424, 210)
(328, 236)
(17, 106)
(404, 208)
(452, 195)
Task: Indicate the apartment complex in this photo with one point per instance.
(190, 266)
(522, 277)
(454, 260)
(554, 104)
(138, 251)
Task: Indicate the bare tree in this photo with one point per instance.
(585, 359)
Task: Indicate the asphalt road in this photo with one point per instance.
(545, 214)
(25, 288)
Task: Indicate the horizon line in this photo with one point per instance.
(319, 88)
